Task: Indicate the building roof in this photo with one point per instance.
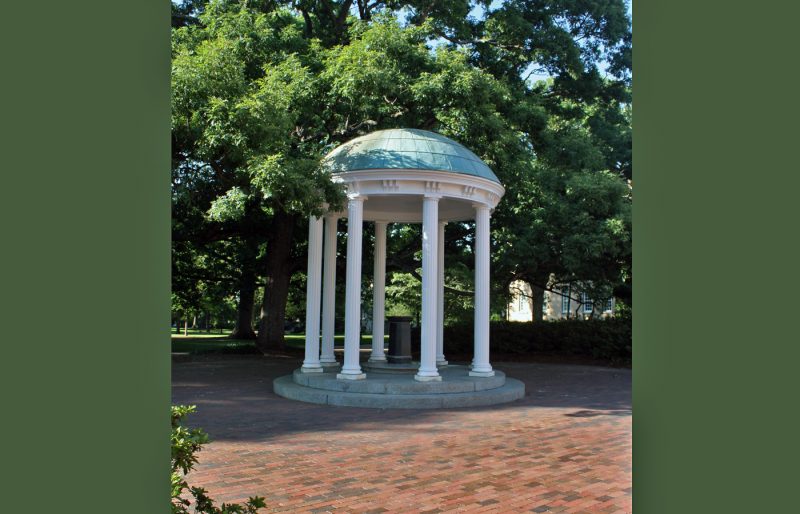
(407, 149)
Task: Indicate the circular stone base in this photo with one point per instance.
(401, 391)
(390, 367)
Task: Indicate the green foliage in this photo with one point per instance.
(403, 295)
(262, 90)
(186, 443)
(239, 93)
(574, 224)
(606, 339)
(202, 277)
(459, 297)
(230, 206)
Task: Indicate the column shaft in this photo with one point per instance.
(351, 370)
(311, 363)
(440, 359)
(378, 293)
(329, 292)
(480, 363)
(430, 232)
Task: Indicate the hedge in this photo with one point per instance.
(606, 339)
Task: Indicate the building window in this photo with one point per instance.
(587, 303)
(609, 305)
(565, 300)
(521, 306)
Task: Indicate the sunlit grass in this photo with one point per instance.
(200, 341)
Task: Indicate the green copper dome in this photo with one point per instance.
(406, 149)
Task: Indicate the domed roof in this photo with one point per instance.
(406, 149)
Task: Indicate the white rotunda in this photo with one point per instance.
(400, 176)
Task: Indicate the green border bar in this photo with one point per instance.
(715, 257)
(85, 283)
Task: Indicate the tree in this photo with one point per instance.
(567, 207)
(255, 106)
(238, 88)
(262, 90)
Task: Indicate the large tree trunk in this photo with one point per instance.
(537, 290)
(276, 286)
(247, 293)
(538, 302)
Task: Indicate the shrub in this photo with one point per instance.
(186, 442)
(606, 339)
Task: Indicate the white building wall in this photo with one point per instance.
(520, 307)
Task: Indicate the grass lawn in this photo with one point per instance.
(199, 341)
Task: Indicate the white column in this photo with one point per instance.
(329, 291)
(430, 231)
(480, 362)
(351, 369)
(440, 359)
(378, 293)
(311, 363)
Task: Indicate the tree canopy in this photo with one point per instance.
(262, 90)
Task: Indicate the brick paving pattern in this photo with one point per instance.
(565, 447)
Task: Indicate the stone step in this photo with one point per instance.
(511, 390)
(455, 379)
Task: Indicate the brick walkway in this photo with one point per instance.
(565, 447)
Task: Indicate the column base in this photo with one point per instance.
(330, 364)
(426, 378)
(382, 358)
(311, 369)
(441, 363)
(348, 376)
(481, 373)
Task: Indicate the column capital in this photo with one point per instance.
(356, 197)
(432, 196)
(479, 206)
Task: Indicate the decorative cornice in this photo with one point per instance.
(403, 179)
(432, 186)
(459, 191)
(390, 185)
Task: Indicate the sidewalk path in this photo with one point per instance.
(565, 447)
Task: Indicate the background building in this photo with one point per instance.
(567, 302)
